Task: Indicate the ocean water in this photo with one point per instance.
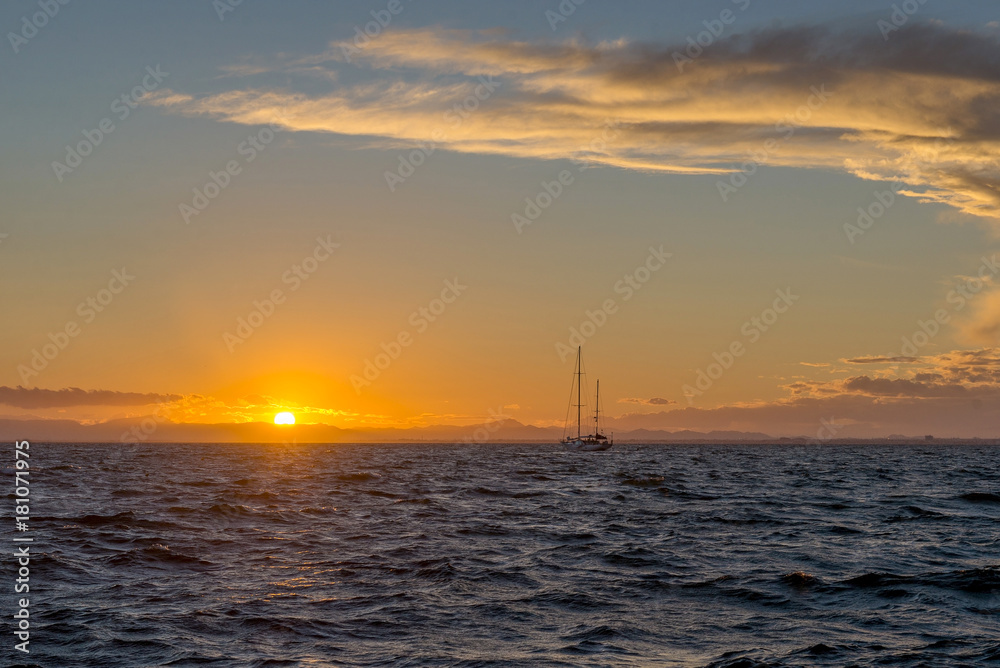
(512, 555)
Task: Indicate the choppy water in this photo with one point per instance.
(420, 555)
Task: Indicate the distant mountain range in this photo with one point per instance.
(151, 430)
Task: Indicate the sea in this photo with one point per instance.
(735, 556)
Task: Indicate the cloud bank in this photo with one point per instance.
(956, 393)
(922, 108)
(34, 398)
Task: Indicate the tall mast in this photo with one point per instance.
(579, 402)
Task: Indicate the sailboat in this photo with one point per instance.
(589, 442)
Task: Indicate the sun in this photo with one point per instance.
(284, 418)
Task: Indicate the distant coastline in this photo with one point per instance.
(132, 431)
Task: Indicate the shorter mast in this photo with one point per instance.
(597, 410)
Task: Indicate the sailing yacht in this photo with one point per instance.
(589, 442)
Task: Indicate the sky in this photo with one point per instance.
(752, 215)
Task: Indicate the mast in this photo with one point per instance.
(597, 410)
(579, 402)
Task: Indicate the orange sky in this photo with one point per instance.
(798, 224)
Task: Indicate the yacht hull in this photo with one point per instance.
(586, 446)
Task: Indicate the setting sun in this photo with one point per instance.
(284, 418)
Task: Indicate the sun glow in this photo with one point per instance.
(284, 418)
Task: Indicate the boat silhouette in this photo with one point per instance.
(584, 442)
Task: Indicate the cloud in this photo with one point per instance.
(849, 101)
(868, 416)
(34, 398)
(982, 327)
(956, 393)
(961, 373)
(655, 401)
(901, 387)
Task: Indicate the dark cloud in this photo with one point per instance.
(919, 48)
(655, 401)
(901, 387)
(35, 398)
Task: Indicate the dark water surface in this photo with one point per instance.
(423, 555)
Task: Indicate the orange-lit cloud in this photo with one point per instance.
(955, 393)
(793, 97)
(963, 373)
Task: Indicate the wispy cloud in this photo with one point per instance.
(880, 359)
(896, 110)
(982, 325)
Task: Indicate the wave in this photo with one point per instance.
(976, 580)
(917, 513)
(123, 520)
(980, 497)
(227, 510)
(358, 477)
(635, 559)
(129, 492)
(571, 600)
(648, 481)
(742, 659)
(800, 579)
(153, 555)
